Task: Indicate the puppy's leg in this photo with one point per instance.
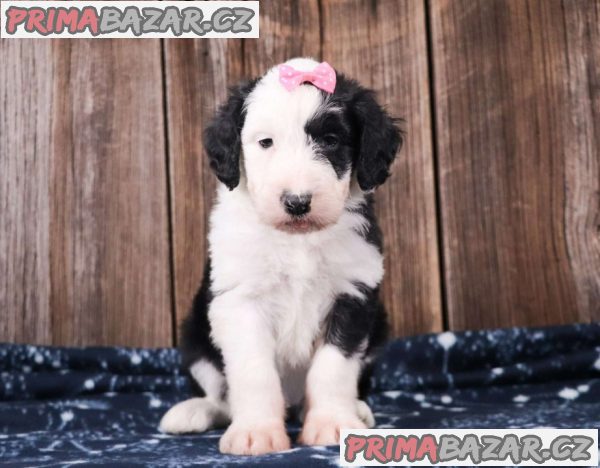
(200, 414)
(202, 359)
(362, 409)
(255, 396)
(332, 397)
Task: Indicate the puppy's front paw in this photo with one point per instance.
(324, 427)
(254, 439)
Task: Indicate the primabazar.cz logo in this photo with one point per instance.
(129, 19)
(469, 447)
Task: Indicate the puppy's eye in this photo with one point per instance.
(266, 142)
(330, 140)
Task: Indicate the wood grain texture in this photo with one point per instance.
(517, 106)
(582, 152)
(288, 28)
(198, 73)
(92, 241)
(384, 45)
(25, 136)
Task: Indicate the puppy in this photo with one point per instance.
(288, 313)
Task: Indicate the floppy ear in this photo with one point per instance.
(379, 141)
(222, 136)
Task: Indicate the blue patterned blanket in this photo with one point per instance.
(101, 406)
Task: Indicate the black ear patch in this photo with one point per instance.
(380, 141)
(378, 138)
(222, 136)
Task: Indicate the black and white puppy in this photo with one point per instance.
(288, 312)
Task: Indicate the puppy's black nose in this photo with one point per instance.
(296, 205)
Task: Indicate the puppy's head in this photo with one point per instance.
(299, 152)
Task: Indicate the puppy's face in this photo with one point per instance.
(297, 155)
(301, 149)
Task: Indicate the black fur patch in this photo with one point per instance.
(195, 330)
(353, 320)
(222, 136)
(331, 133)
(375, 138)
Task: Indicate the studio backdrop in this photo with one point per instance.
(491, 218)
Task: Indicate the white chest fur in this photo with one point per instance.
(294, 277)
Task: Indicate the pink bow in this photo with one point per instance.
(322, 76)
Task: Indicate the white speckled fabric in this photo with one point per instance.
(101, 406)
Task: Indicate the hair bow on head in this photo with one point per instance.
(322, 76)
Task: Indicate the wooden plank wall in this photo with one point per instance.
(491, 218)
(83, 191)
(517, 99)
